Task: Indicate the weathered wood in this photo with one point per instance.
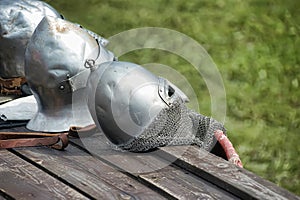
(271, 186)
(210, 177)
(169, 179)
(72, 165)
(21, 180)
(224, 174)
(4, 196)
(183, 185)
(158, 173)
(88, 174)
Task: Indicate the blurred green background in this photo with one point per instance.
(256, 46)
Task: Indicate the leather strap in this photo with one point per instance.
(30, 139)
(230, 151)
(86, 131)
(11, 85)
(57, 141)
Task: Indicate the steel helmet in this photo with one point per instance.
(138, 111)
(18, 19)
(55, 61)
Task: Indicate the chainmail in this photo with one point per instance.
(176, 125)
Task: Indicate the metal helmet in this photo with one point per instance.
(125, 99)
(138, 111)
(55, 67)
(18, 19)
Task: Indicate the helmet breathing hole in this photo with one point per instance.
(171, 91)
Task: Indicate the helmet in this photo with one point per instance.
(18, 19)
(138, 111)
(55, 61)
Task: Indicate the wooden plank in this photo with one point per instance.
(182, 185)
(156, 172)
(4, 196)
(217, 172)
(21, 180)
(271, 186)
(224, 174)
(176, 182)
(262, 189)
(91, 175)
(85, 172)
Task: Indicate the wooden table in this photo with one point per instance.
(82, 172)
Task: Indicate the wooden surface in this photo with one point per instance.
(91, 169)
(20, 179)
(233, 179)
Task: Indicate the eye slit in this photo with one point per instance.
(171, 91)
(61, 16)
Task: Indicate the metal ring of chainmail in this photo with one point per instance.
(176, 125)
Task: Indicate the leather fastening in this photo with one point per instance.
(57, 141)
(29, 139)
(11, 85)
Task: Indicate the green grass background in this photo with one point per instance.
(254, 43)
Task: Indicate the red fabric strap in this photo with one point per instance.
(231, 154)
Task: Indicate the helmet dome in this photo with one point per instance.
(55, 70)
